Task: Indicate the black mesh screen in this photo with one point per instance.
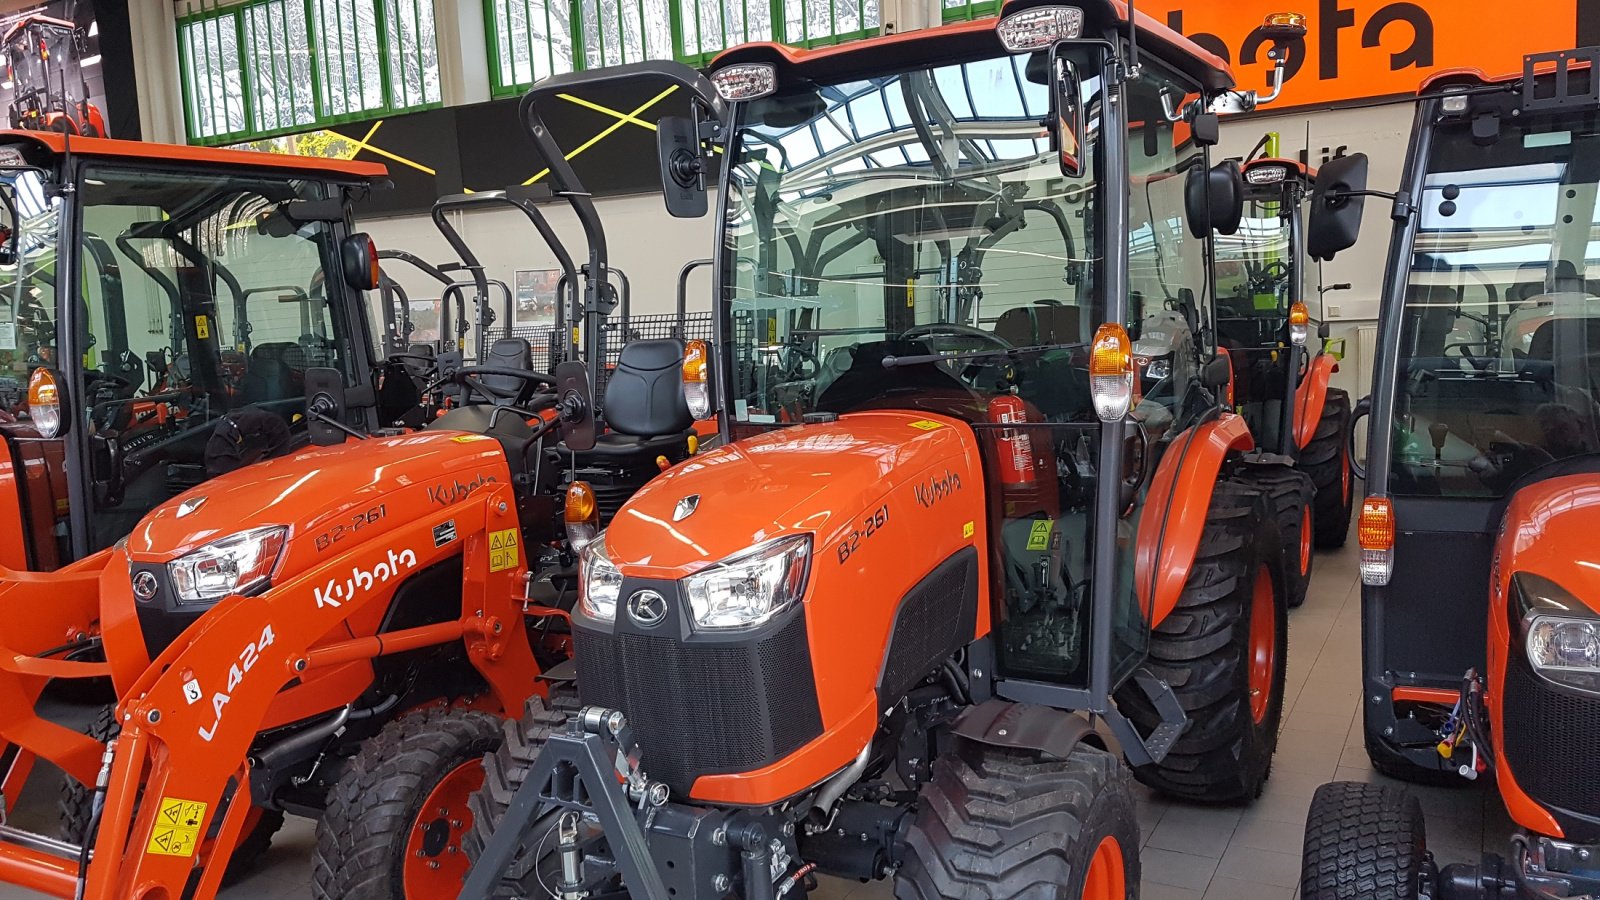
(937, 618)
(1550, 741)
(704, 708)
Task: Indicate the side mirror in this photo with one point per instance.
(358, 257)
(325, 406)
(682, 170)
(1066, 95)
(576, 406)
(1213, 199)
(1334, 222)
(1217, 372)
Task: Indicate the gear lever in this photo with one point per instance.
(1439, 431)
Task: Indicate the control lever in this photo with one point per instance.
(1439, 431)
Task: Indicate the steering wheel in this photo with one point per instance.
(792, 363)
(471, 377)
(952, 329)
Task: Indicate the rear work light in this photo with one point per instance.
(696, 383)
(746, 81)
(1375, 534)
(1111, 372)
(1299, 324)
(1268, 174)
(1038, 28)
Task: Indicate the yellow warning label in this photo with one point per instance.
(177, 830)
(1039, 535)
(968, 529)
(202, 327)
(502, 550)
(926, 424)
(469, 438)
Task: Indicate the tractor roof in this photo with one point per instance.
(912, 48)
(337, 169)
(37, 20)
(1471, 76)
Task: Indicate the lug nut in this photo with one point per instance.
(721, 884)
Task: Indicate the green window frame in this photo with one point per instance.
(263, 68)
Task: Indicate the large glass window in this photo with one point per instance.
(27, 285)
(267, 67)
(1500, 346)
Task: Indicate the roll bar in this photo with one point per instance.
(564, 181)
(679, 330)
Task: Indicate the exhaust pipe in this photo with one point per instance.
(821, 810)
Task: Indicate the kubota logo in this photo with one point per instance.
(457, 490)
(937, 488)
(360, 581)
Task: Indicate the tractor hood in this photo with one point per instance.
(320, 491)
(814, 479)
(1549, 531)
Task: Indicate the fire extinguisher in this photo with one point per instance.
(1016, 449)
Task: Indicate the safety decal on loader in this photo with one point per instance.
(177, 830)
(502, 550)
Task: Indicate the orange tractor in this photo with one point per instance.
(951, 530)
(310, 610)
(1280, 384)
(1480, 600)
(49, 92)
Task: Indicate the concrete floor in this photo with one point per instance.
(1189, 852)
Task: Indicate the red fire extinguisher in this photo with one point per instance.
(1016, 449)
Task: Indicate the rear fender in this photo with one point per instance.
(42, 611)
(13, 515)
(1174, 512)
(241, 654)
(1310, 396)
(1024, 726)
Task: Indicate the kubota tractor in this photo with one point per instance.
(49, 92)
(1280, 384)
(1480, 598)
(948, 535)
(330, 631)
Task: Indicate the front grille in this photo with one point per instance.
(1551, 740)
(700, 707)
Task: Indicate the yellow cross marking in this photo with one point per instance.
(358, 146)
(621, 121)
(626, 117)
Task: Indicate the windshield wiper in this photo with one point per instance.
(890, 362)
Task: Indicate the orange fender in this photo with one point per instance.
(1310, 397)
(1174, 511)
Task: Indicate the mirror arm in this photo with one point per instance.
(1343, 195)
(1276, 79)
(1173, 112)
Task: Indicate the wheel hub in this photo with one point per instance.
(1263, 644)
(434, 864)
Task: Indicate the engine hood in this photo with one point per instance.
(1549, 530)
(805, 479)
(316, 492)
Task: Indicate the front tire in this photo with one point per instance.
(1363, 842)
(999, 823)
(1326, 458)
(395, 819)
(1291, 500)
(1222, 650)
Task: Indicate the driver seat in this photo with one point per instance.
(509, 353)
(645, 411)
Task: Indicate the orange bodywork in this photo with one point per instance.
(33, 498)
(316, 628)
(13, 523)
(1310, 397)
(821, 480)
(1174, 517)
(57, 142)
(1549, 531)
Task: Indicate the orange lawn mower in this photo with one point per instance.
(949, 533)
(1480, 599)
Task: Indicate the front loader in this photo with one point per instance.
(950, 533)
(1480, 601)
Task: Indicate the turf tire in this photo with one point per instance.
(1363, 842)
(997, 823)
(1326, 458)
(372, 809)
(1202, 649)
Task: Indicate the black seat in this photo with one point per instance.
(267, 375)
(867, 381)
(645, 411)
(509, 353)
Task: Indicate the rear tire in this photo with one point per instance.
(1291, 499)
(1363, 842)
(396, 816)
(1326, 458)
(999, 823)
(1223, 650)
(504, 770)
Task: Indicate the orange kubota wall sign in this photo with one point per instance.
(1356, 49)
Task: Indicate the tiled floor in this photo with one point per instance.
(1189, 853)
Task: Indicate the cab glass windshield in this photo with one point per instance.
(1501, 334)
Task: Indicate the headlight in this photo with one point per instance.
(1562, 640)
(748, 589)
(599, 582)
(237, 564)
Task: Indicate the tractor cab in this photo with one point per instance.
(1480, 605)
(44, 63)
(208, 287)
